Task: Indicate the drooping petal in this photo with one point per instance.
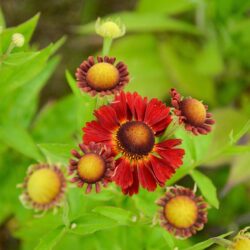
(123, 175)
(134, 188)
(146, 177)
(162, 170)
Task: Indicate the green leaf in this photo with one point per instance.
(56, 121)
(239, 171)
(170, 7)
(207, 187)
(123, 217)
(169, 239)
(56, 153)
(24, 71)
(85, 103)
(92, 222)
(182, 73)
(147, 79)
(22, 104)
(145, 22)
(50, 240)
(26, 29)
(207, 243)
(19, 139)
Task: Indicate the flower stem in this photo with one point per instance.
(107, 42)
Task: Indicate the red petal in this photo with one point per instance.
(96, 133)
(106, 116)
(162, 170)
(134, 188)
(123, 175)
(120, 106)
(157, 115)
(169, 143)
(172, 156)
(146, 178)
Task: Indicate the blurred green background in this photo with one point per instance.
(200, 47)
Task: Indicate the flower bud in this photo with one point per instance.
(18, 40)
(109, 28)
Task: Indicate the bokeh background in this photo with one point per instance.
(201, 47)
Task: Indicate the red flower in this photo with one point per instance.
(192, 113)
(130, 126)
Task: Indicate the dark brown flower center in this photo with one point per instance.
(135, 138)
(102, 76)
(91, 167)
(194, 111)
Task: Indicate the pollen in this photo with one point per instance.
(194, 111)
(91, 167)
(102, 76)
(135, 137)
(181, 211)
(43, 186)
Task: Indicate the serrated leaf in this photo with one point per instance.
(92, 222)
(123, 217)
(206, 187)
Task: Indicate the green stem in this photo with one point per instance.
(8, 51)
(107, 42)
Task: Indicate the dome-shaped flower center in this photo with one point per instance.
(102, 76)
(91, 168)
(181, 211)
(242, 243)
(43, 185)
(110, 29)
(135, 138)
(194, 111)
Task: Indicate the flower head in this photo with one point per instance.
(44, 187)
(109, 28)
(131, 126)
(93, 166)
(182, 213)
(241, 241)
(192, 113)
(102, 77)
(18, 39)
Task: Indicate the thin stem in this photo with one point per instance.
(107, 42)
(8, 51)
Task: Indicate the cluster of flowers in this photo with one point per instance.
(127, 144)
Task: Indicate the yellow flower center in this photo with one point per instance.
(135, 138)
(109, 29)
(181, 212)
(91, 168)
(194, 111)
(242, 243)
(102, 76)
(43, 186)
